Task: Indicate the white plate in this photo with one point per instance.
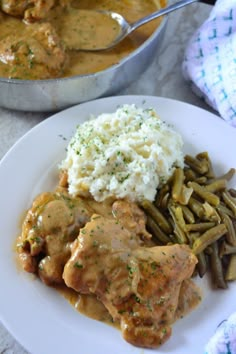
(38, 316)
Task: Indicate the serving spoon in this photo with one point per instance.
(117, 27)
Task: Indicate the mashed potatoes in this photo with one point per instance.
(128, 153)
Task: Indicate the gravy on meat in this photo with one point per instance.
(31, 46)
(103, 260)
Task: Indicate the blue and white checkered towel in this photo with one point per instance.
(224, 340)
(210, 60)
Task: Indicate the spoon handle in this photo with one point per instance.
(165, 11)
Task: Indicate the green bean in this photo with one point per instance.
(210, 173)
(216, 185)
(179, 223)
(229, 201)
(164, 201)
(201, 180)
(231, 269)
(208, 237)
(178, 181)
(192, 236)
(204, 194)
(211, 213)
(188, 215)
(180, 235)
(178, 212)
(231, 234)
(199, 166)
(203, 226)
(172, 236)
(217, 268)
(196, 207)
(226, 249)
(189, 174)
(234, 223)
(157, 216)
(185, 195)
(228, 175)
(232, 192)
(161, 194)
(208, 250)
(223, 208)
(156, 231)
(202, 264)
(202, 155)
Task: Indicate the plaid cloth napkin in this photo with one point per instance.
(210, 60)
(224, 339)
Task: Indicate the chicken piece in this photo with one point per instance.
(49, 228)
(131, 217)
(14, 7)
(30, 10)
(139, 286)
(35, 54)
(189, 298)
(39, 10)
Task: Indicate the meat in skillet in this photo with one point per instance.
(30, 10)
(35, 54)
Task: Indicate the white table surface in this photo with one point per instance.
(163, 78)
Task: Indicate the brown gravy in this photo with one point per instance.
(79, 62)
(87, 305)
(90, 306)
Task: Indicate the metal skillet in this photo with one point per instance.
(57, 94)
